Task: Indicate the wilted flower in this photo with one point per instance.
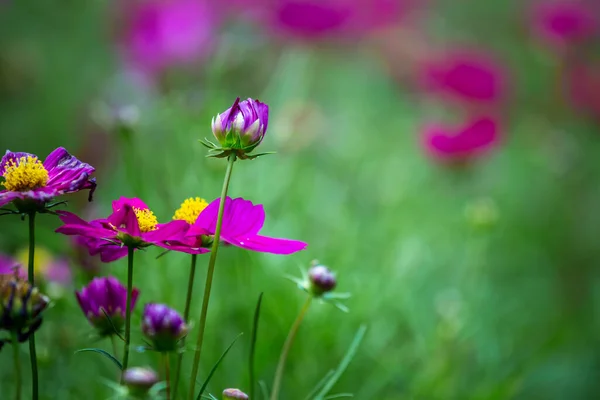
(457, 145)
(163, 326)
(240, 128)
(465, 75)
(234, 394)
(131, 224)
(139, 381)
(322, 280)
(242, 222)
(563, 22)
(104, 297)
(27, 178)
(21, 305)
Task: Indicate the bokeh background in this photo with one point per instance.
(441, 156)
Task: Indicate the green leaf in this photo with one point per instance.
(214, 368)
(319, 385)
(253, 344)
(339, 396)
(105, 354)
(343, 364)
(263, 389)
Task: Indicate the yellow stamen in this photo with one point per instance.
(190, 209)
(27, 173)
(146, 219)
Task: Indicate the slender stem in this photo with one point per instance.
(30, 271)
(167, 374)
(128, 308)
(186, 316)
(286, 349)
(17, 361)
(209, 277)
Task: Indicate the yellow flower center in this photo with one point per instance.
(190, 209)
(146, 219)
(27, 173)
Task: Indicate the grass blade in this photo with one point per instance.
(344, 363)
(319, 385)
(338, 396)
(253, 344)
(104, 353)
(214, 368)
(263, 390)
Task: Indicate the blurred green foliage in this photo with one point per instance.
(457, 307)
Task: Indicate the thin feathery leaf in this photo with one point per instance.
(319, 385)
(264, 390)
(214, 368)
(104, 353)
(253, 344)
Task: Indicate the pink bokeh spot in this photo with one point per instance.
(565, 22)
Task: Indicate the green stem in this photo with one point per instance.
(167, 374)
(17, 360)
(130, 251)
(209, 277)
(186, 317)
(286, 349)
(30, 271)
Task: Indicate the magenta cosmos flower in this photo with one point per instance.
(105, 296)
(131, 224)
(451, 144)
(242, 222)
(563, 22)
(465, 75)
(27, 178)
(162, 34)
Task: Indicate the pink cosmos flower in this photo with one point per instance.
(452, 144)
(166, 33)
(27, 178)
(131, 224)
(465, 75)
(562, 22)
(242, 222)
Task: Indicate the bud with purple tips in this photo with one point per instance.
(139, 381)
(322, 280)
(234, 394)
(163, 326)
(103, 297)
(240, 128)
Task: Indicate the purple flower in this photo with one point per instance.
(242, 222)
(105, 296)
(131, 224)
(234, 394)
(242, 126)
(561, 22)
(139, 381)
(163, 326)
(27, 178)
(461, 144)
(321, 280)
(8, 266)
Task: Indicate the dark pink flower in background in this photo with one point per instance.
(457, 144)
(563, 22)
(242, 221)
(464, 75)
(162, 34)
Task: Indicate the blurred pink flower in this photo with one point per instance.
(164, 33)
(561, 22)
(58, 271)
(465, 75)
(8, 266)
(451, 144)
(582, 82)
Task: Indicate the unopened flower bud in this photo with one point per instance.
(163, 326)
(322, 280)
(139, 381)
(234, 394)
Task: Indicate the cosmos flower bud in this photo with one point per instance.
(163, 326)
(234, 394)
(321, 279)
(139, 381)
(21, 305)
(104, 297)
(242, 127)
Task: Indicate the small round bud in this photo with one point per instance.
(139, 380)
(234, 394)
(322, 280)
(163, 326)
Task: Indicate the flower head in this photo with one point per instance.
(234, 394)
(26, 178)
(240, 128)
(321, 279)
(242, 221)
(189, 211)
(473, 139)
(563, 22)
(139, 381)
(104, 297)
(131, 224)
(163, 326)
(21, 305)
